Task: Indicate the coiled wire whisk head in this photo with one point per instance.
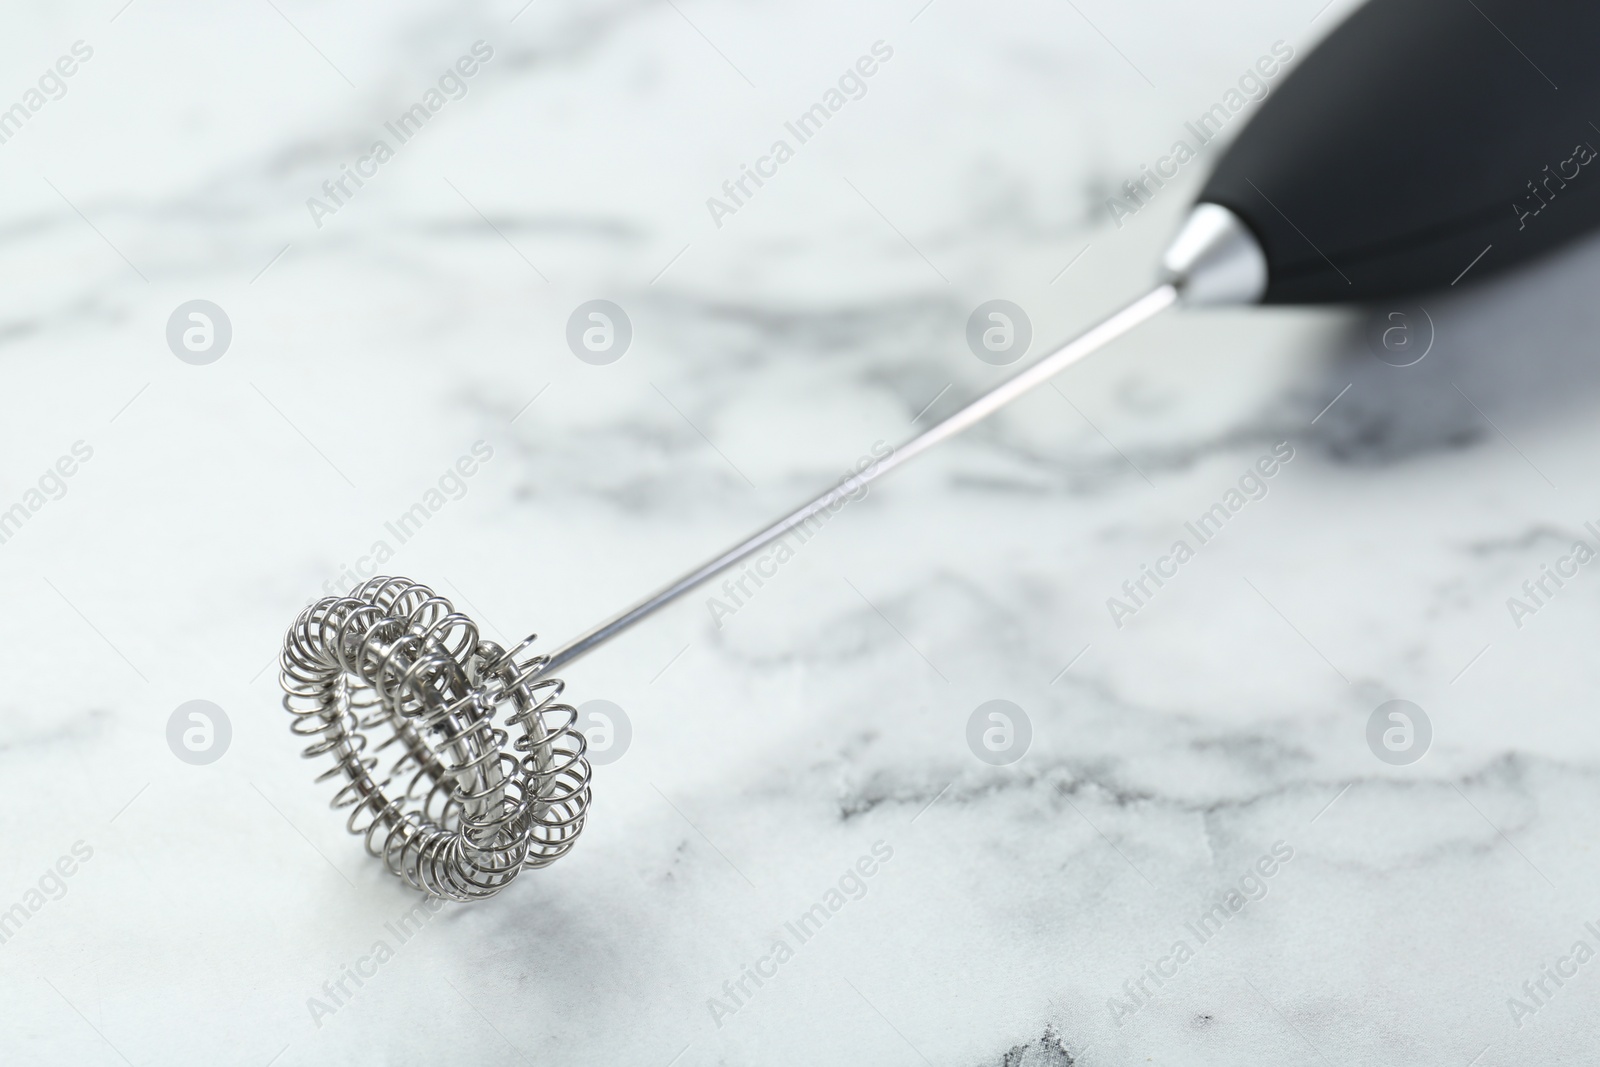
(456, 813)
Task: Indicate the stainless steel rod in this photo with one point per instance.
(1079, 347)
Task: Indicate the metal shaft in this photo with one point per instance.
(1084, 344)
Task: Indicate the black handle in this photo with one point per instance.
(1417, 135)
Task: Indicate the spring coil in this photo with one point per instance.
(456, 814)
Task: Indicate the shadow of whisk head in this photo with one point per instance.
(393, 675)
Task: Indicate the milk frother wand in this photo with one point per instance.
(1423, 139)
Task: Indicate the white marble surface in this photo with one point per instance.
(772, 753)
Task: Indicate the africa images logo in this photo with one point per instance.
(452, 85)
(851, 85)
